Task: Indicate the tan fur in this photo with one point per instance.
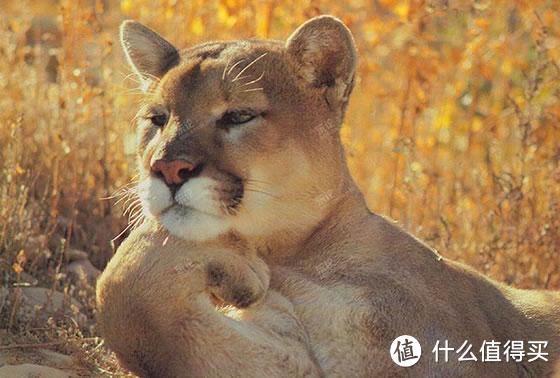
(353, 280)
(177, 313)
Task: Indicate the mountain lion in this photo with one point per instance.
(242, 168)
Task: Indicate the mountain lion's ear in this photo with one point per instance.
(148, 53)
(325, 56)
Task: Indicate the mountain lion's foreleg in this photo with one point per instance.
(169, 308)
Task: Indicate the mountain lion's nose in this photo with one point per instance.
(174, 172)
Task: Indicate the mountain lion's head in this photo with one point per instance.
(241, 135)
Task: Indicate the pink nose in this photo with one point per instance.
(174, 172)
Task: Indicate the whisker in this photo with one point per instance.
(133, 207)
(228, 209)
(130, 204)
(124, 193)
(134, 221)
(249, 65)
(225, 69)
(235, 65)
(131, 92)
(261, 192)
(253, 188)
(121, 233)
(140, 221)
(133, 181)
(143, 86)
(149, 75)
(126, 198)
(134, 212)
(252, 180)
(252, 81)
(132, 77)
(254, 183)
(244, 76)
(114, 195)
(253, 89)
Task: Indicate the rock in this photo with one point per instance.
(40, 303)
(40, 296)
(31, 371)
(27, 279)
(56, 359)
(76, 254)
(83, 270)
(43, 357)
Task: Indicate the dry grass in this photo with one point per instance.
(453, 128)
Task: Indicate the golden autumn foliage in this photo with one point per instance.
(453, 128)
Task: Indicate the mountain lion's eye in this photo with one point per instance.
(237, 117)
(159, 120)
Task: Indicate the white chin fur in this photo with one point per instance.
(190, 224)
(193, 219)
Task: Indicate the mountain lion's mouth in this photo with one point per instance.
(219, 197)
(183, 210)
(201, 208)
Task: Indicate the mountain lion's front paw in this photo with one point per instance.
(237, 280)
